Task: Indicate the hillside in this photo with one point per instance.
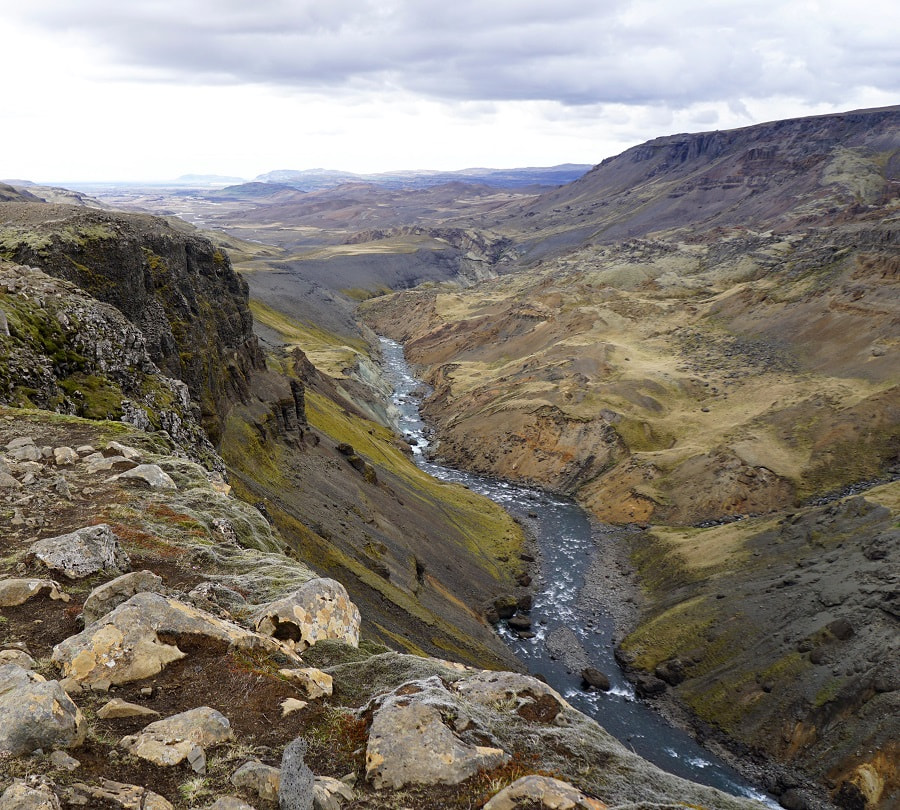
(164, 644)
(699, 331)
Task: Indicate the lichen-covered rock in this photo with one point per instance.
(151, 475)
(82, 552)
(230, 803)
(180, 737)
(15, 656)
(36, 713)
(22, 796)
(544, 792)
(319, 609)
(528, 697)
(264, 780)
(125, 645)
(119, 794)
(331, 794)
(313, 681)
(18, 591)
(412, 742)
(110, 595)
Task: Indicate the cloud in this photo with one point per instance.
(574, 52)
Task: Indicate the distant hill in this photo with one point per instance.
(318, 179)
(208, 180)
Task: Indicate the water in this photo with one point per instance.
(568, 546)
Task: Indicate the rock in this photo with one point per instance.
(118, 449)
(410, 742)
(542, 792)
(27, 452)
(99, 463)
(179, 737)
(117, 708)
(319, 609)
(230, 803)
(213, 596)
(491, 616)
(595, 678)
(22, 796)
(671, 671)
(524, 695)
(81, 553)
(841, 629)
(125, 644)
(36, 713)
(150, 474)
(110, 595)
(18, 442)
(64, 456)
(61, 760)
(18, 591)
(649, 685)
(330, 794)
(291, 705)
(520, 623)
(526, 601)
(264, 780)
(8, 482)
(128, 797)
(295, 791)
(506, 606)
(20, 657)
(313, 681)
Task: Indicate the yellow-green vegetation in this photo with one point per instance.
(731, 696)
(489, 532)
(680, 628)
(242, 441)
(97, 397)
(328, 352)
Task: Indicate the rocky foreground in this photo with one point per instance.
(159, 650)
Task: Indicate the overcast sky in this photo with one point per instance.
(152, 89)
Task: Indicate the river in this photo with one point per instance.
(562, 618)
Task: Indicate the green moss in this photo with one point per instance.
(96, 397)
(682, 627)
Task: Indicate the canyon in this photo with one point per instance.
(696, 340)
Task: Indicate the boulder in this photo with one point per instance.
(22, 796)
(36, 713)
(542, 792)
(410, 741)
(519, 623)
(312, 681)
(506, 606)
(81, 553)
(524, 695)
(264, 780)
(139, 637)
(150, 475)
(331, 794)
(671, 671)
(230, 803)
(180, 737)
(110, 595)
(296, 787)
(119, 794)
(291, 705)
(18, 591)
(64, 456)
(8, 482)
(319, 609)
(595, 678)
(124, 450)
(20, 657)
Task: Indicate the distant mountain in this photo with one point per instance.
(208, 180)
(318, 179)
(263, 192)
(775, 175)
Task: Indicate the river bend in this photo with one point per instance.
(562, 619)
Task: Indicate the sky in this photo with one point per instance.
(148, 90)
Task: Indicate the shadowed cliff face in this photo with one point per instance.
(172, 284)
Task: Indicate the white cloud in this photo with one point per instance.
(109, 88)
